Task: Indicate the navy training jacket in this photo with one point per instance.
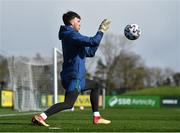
(76, 48)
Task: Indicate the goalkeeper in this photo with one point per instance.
(76, 48)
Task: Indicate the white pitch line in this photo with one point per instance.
(54, 128)
(20, 114)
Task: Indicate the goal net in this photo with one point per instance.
(32, 81)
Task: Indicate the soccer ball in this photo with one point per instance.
(132, 31)
(81, 107)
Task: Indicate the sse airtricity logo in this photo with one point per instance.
(113, 101)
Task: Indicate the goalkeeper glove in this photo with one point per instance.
(104, 26)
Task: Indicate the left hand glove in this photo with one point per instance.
(104, 25)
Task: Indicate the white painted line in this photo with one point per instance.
(54, 128)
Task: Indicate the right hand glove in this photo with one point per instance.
(104, 26)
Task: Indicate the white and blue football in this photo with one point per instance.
(132, 31)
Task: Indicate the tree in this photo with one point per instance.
(128, 71)
(153, 77)
(176, 78)
(110, 49)
(157, 76)
(4, 72)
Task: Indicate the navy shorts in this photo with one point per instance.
(74, 84)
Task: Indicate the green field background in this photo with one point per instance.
(123, 120)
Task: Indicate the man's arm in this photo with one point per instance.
(91, 41)
(87, 41)
(90, 51)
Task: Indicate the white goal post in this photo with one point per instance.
(56, 51)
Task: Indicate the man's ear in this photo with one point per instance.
(71, 22)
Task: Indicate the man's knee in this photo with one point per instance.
(68, 105)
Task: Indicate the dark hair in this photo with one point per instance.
(67, 17)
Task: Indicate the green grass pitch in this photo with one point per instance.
(123, 120)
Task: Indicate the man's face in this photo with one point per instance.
(76, 23)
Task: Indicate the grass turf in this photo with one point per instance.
(123, 120)
(158, 91)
